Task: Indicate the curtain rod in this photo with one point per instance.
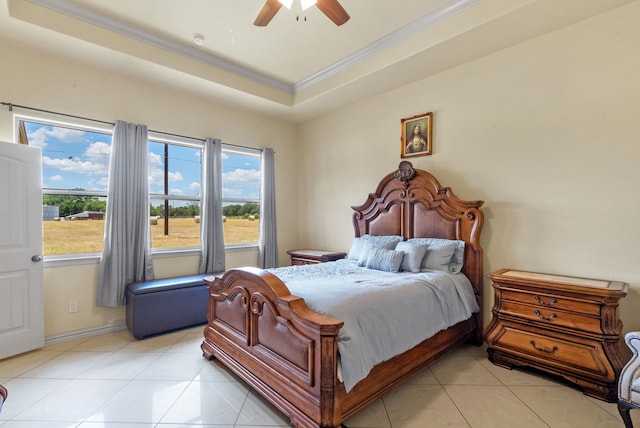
(11, 106)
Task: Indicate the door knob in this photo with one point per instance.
(37, 258)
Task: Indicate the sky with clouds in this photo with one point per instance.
(74, 158)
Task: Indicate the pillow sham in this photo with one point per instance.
(356, 248)
(383, 259)
(439, 256)
(457, 259)
(364, 254)
(413, 254)
(357, 244)
(388, 242)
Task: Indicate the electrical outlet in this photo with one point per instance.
(73, 306)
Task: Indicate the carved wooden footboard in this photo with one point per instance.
(275, 343)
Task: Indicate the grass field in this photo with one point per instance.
(86, 236)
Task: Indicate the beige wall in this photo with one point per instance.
(546, 133)
(37, 79)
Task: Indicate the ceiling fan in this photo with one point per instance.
(331, 8)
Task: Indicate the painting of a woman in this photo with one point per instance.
(416, 136)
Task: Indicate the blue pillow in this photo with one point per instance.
(386, 260)
(413, 255)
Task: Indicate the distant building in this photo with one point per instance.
(50, 212)
(86, 215)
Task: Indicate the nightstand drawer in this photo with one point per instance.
(551, 301)
(299, 261)
(580, 357)
(553, 317)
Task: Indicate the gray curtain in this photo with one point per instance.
(212, 257)
(126, 255)
(268, 251)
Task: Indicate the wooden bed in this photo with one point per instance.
(289, 353)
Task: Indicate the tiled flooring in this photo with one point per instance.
(114, 380)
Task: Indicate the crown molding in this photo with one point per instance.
(448, 9)
(76, 11)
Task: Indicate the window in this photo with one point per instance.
(241, 195)
(75, 168)
(174, 191)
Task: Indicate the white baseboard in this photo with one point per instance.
(88, 332)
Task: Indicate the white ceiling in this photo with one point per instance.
(294, 68)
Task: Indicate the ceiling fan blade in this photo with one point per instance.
(334, 11)
(267, 12)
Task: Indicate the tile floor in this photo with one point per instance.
(114, 380)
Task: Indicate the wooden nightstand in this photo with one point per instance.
(562, 325)
(309, 257)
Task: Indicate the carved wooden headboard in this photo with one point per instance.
(411, 202)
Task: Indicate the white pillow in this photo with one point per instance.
(439, 256)
(388, 242)
(356, 248)
(440, 249)
(413, 255)
(364, 254)
(386, 260)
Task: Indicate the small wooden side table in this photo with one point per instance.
(562, 325)
(309, 257)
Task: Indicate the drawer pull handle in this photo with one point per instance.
(550, 303)
(545, 350)
(542, 317)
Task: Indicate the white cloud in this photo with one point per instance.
(154, 160)
(156, 172)
(93, 162)
(73, 165)
(56, 178)
(39, 137)
(103, 183)
(66, 134)
(175, 176)
(241, 177)
(233, 192)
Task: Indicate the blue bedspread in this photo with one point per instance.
(377, 306)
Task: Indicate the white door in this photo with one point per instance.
(21, 292)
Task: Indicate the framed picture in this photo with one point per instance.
(415, 135)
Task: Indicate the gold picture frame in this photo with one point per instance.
(416, 135)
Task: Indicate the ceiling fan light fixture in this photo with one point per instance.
(286, 3)
(306, 4)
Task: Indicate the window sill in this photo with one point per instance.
(94, 258)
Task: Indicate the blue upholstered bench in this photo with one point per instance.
(161, 305)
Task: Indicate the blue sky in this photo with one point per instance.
(80, 159)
